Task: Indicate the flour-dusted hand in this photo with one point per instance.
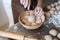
(38, 11)
(26, 3)
(21, 1)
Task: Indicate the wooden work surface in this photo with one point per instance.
(37, 33)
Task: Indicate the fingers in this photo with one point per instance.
(21, 1)
(24, 1)
(26, 4)
(38, 11)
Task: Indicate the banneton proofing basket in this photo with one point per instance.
(31, 27)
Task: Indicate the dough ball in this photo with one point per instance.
(38, 21)
(52, 5)
(26, 22)
(55, 3)
(48, 7)
(53, 32)
(48, 37)
(48, 14)
(26, 14)
(58, 35)
(53, 9)
(26, 17)
(33, 24)
(51, 12)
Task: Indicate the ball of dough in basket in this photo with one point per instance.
(33, 24)
(38, 21)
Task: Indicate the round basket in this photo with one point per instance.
(31, 27)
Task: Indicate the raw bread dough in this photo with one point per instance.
(48, 37)
(53, 32)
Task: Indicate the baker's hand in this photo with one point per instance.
(26, 3)
(38, 11)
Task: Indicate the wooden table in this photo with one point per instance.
(37, 33)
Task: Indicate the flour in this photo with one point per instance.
(55, 17)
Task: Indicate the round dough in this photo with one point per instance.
(38, 21)
(55, 3)
(48, 7)
(53, 9)
(58, 35)
(48, 37)
(53, 32)
(33, 24)
(52, 5)
(51, 12)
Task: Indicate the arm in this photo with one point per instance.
(39, 3)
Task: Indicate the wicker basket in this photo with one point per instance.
(30, 27)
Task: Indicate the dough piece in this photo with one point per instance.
(58, 35)
(26, 17)
(33, 24)
(38, 21)
(53, 32)
(48, 7)
(55, 3)
(53, 9)
(26, 22)
(52, 5)
(51, 12)
(48, 37)
(26, 14)
(47, 14)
